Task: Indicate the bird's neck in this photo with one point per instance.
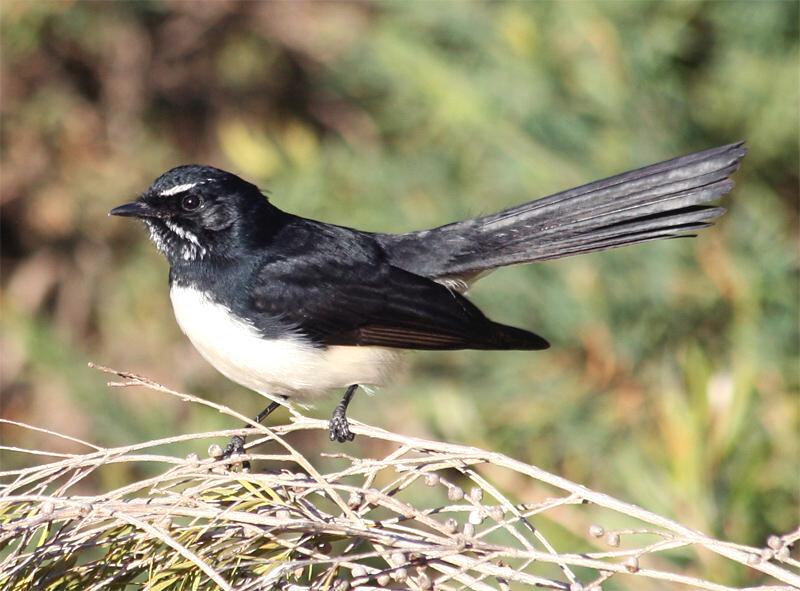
(258, 228)
(236, 252)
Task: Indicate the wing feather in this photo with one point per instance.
(367, 304)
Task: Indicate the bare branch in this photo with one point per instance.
(428, 515)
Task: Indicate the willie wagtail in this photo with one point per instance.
(294, 308)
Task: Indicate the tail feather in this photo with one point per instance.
(664, 210)
(687, 220)
(659, 201)
(680, 174)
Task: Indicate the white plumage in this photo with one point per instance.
(287, 366)
(177, 189)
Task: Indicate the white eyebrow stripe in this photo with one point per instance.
(177, 189)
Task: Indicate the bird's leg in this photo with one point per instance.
(236, 444)
(338, 426)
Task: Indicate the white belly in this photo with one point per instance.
(288, 366)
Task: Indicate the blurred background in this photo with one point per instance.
(673, 377)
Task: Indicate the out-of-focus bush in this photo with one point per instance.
(673, 376)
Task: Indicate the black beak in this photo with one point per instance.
(135, 209)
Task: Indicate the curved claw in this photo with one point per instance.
(235, 447)
(340, 429)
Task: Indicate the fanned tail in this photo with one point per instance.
(663, 200)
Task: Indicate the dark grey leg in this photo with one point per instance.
(338, 426)
(236, 444)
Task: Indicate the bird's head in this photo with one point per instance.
(196, 211)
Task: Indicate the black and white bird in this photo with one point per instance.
(294, 308)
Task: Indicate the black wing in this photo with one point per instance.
(365, 301)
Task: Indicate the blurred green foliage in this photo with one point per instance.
(673, 377)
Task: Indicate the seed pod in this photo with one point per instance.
(324, 548)
(355, 500)
(455, 493)
(358, 571)
(397, 559)
(596, 531)
(400, 575)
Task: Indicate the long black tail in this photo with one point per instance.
(659, 201)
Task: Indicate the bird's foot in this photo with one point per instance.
(236, 444)
(235, 447)
(339, 427)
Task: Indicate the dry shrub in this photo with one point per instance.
(426, 515)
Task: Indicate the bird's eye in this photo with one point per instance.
(191, 202)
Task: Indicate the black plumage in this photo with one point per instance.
(338, 287)
(265, 275)
(663, 200)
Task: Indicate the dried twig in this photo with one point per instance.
(365, 522)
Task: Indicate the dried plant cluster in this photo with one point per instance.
(425, 515)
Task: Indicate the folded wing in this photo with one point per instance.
(364, 304)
